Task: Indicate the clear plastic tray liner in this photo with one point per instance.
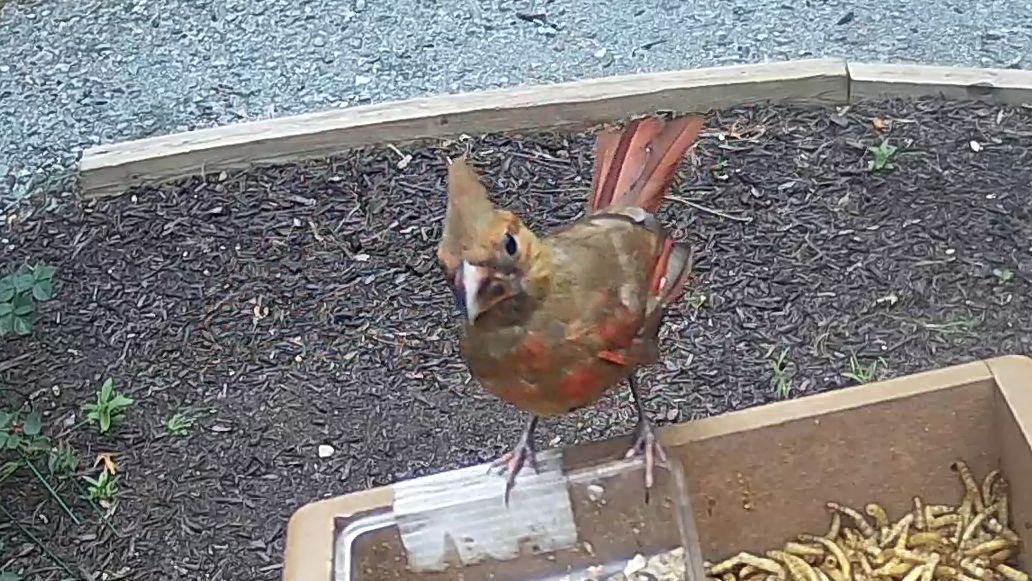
(585, 524)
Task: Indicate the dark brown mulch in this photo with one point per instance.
(357, 349)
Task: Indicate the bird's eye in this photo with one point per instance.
(510, 244)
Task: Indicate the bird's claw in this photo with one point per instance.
(512, 462)
(646, 442)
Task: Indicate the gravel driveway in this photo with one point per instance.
(77, 73)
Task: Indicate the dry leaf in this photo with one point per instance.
(109, 465)
(880, 124)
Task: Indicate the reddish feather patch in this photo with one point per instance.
(614, 358)
(581, 382)
(533, 353)
(617, 331)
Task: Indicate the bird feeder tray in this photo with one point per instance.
(744, 481)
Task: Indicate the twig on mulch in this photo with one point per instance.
(701, 208)
(13, 362)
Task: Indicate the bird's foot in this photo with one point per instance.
(646, 442)
(513, 461)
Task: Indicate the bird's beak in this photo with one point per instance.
(472, 279)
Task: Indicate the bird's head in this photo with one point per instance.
(496, 264)
(497, 272)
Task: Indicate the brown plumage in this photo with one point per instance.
(554, 322)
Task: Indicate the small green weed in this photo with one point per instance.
(179, 424)
(721, 170)
(20, 294)
(782, 386)
(23, 444)
(697, 301)
(1003, 275)
(62, 459)
(20, 433)
(109, 409)
(884, 154)
(23, 434)
(103, 488)
(859, 373)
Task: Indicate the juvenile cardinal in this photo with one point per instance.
(554, 322)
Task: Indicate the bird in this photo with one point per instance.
(552, 323)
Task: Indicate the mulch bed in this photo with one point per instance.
(299, 305)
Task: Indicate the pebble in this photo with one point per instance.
(326, 450)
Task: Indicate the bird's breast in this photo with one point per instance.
(538, 371)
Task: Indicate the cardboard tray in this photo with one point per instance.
(761, 476)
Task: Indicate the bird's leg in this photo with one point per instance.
(512, 462)
(645, 440)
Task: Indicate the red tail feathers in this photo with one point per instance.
(636, 166)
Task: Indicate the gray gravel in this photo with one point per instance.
(74, 73)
